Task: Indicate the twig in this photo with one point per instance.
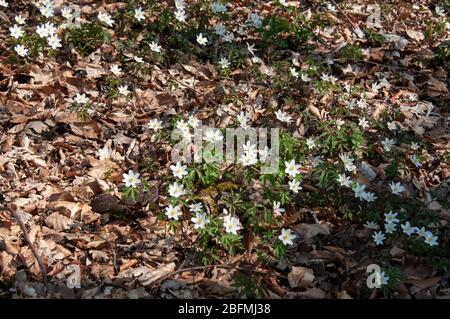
(13, 210)
(113, 251)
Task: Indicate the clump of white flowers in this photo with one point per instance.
(244, 102)
(391, 221)
(46, 8)
(46, 30)
(212, 135)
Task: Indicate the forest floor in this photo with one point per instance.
(95, 205)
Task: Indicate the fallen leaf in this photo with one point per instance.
(343, 295)
(300, 277)
(309, 231)
(312, 293)
(368, 171)
(58, 221)
(148, 276)
(416, 35)
(106, 203)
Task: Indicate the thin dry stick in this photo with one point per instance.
(113, 251)
(13, 210)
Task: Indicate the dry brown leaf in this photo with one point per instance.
(106, 203)
(300, 277)
(92, 70)
(368, 171)
(315, 111)
(343, 295)
(37, 126)
(7, 270)
(147, 276)
(58, 221)
(89, 130)
(309, 231)
(425, 283)
(312, 293)
(416, 35)
(72, 208)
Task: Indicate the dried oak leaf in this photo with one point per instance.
(416, 35)
(424, 283)
(7, 269)
(368, 171)
(58, 221)
(313, 293)
(147, 276)
(87, 129)
(343, 295)
(106, 203)
(309, 231)
(300, 277)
